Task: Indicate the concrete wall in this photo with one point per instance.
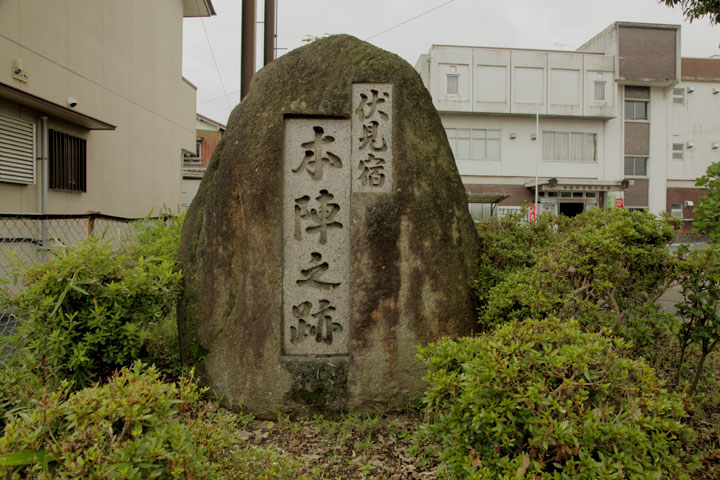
(515, 81)
(518, 149)
(121, 60)
(695, 124)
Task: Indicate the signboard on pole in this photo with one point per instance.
(616, 200)
(532, 212)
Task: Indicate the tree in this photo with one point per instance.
(707, 212)
(694, 9)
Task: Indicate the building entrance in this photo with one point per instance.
(570, 209)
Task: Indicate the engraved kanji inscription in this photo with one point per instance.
(372, 138)
(372, 130)
(371, 104)
(372, 171)
(320, 329)
(314, 273)
(317, 155)
(322, 217)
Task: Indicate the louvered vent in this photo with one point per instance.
(17, 150)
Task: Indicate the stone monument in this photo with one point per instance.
(329, 237)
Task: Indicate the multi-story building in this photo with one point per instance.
(209, 132)
(91, 92)
(622, 120)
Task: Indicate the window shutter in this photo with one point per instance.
(17, 150)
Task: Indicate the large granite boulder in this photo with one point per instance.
(329, 237)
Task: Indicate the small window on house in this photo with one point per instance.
(636, 110)
(599, 91)
(17, 150)
(590, 195)
(676, 210)
(552, 194)
(678, 96)
(565, 194)
(68, 161)
(453, 84)
(636, 166)
(678, 151)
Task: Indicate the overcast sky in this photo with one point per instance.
(542, 24)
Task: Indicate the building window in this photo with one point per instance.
(67, 162)
(599, 91)
(453, 84)
(678, 96)
(676, 210)
(474, 144)
(570, 146)
(678, 151)
(17, 150)
(636, 166)
(636, 110)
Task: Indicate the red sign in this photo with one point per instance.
(532, 213)
(619, 203)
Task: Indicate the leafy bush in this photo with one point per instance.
(508, 244)
(134, 427)
(609, 260)
(700, 307)
(20, 384)
(544, 399)
(707, 211)
(157, 238)
(92, 309)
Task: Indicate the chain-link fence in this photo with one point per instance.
(28, 239)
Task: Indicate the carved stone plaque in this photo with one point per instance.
(316, 218)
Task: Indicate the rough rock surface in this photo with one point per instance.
(412, 250)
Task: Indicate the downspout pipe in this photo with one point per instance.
(45, 165)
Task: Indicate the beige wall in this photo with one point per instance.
(121, 60)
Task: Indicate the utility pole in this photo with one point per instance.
(247, 52)
(270, 31)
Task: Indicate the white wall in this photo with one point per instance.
(517, 155)
(516, 81)
(696, 122)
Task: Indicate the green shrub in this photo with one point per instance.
(700, 308)
(134, 427)
(707, 211)
(507, 244)
(157, 238)
(608, 260)
(544, 399)
(20, 384)
(93, 309)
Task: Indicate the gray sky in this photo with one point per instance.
(543, 24)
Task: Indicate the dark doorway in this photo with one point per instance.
(571, 209)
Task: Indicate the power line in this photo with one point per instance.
(212, 54)
(409, 20)
(234, 92)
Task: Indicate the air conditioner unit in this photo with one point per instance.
(689, 144)
(715, 145)
(690, 89)
(689, 203)
(715, 90)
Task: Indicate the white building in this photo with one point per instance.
(622, 117)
